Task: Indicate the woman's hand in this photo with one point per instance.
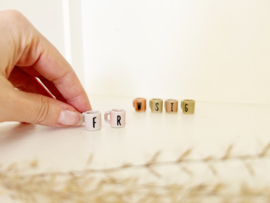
(26, 55)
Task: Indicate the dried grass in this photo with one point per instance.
(103, 185)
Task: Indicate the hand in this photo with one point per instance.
(26, 55)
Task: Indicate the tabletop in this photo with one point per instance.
(213, 129)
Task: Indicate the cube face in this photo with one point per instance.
(117, 118)
(139, 104)
(92, 120)
(156, 105)
(188, 106)
(171, 106)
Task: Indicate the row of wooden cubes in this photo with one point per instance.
(170, 105)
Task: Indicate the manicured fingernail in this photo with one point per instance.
(81, 120)
(69, 118)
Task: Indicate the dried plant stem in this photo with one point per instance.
(87, 186)
(161, 163)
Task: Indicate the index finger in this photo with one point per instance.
(52, 66)
(32, 50)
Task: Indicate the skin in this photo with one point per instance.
(26, 55)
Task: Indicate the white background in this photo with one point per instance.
(45, 15)
(59, 21)
(202, 50)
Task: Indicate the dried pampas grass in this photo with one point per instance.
(22, 183)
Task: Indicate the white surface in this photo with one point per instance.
(212, 128)
(206, 50)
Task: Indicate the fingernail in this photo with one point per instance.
(68, 117)
(81, 120)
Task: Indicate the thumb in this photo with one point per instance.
(39, 109)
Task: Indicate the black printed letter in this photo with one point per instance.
(186, 107)
(171, 106)
(157, 106)
(118, 120)
(139, 105)
(94, 122)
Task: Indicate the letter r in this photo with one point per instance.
(118, 120)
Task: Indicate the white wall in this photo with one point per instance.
(45, 15)
(204, 50)
(59, 21)
(76, 39)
